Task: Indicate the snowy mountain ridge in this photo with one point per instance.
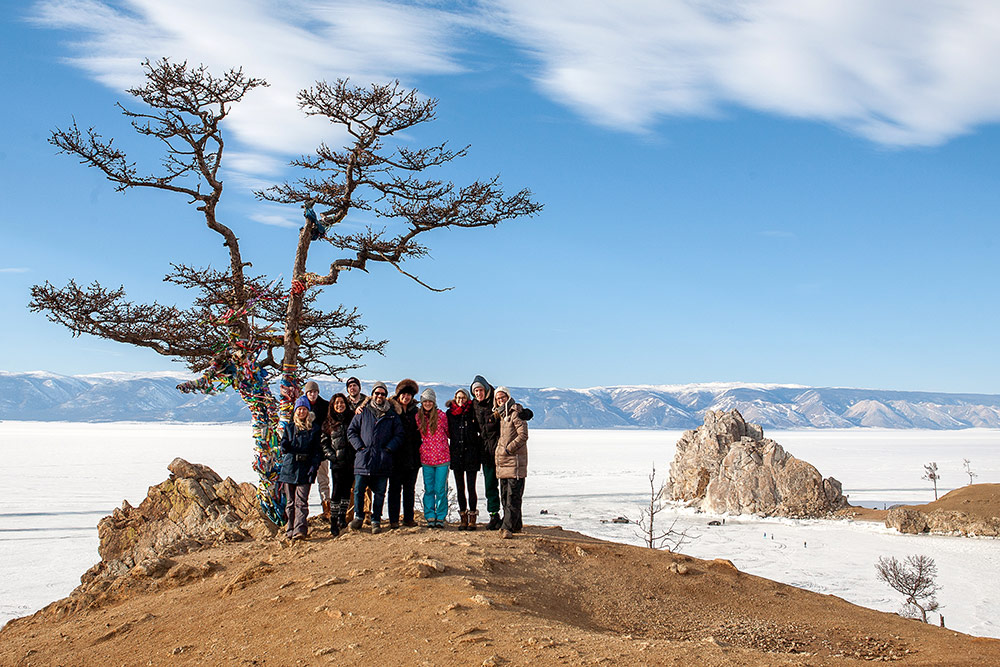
(103, 397)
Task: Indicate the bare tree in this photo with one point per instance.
(245, 331)
(670, 539)
(967, 466)
(931, 474)
(383, 180)
(915, 578)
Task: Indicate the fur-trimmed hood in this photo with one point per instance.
(407, 384)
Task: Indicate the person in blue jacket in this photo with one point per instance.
(375, 433)
(300, 456)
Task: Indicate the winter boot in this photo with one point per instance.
(473, 514)
(342, 518)
(326, 509)
(495, 521)
(356, 523)
(334, 527)
(464, 521)
(376, 527)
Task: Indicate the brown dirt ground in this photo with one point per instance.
(978, 500)
(420, 597)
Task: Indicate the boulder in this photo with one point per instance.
(906, 520)
(727, 465)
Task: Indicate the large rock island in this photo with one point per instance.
(727, 465)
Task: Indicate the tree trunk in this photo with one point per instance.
(293, 314)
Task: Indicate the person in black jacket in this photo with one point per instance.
(375, 433)
(319, 406)
(300, 456)
(466, 448)
(339, 454)
(406, 460)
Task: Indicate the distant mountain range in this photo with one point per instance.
(42, 396)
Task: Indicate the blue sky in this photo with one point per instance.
(786, 191)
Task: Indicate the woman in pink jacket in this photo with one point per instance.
(434, 458)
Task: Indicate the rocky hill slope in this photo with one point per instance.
(969, 510)
(152, 397)
(413, 596)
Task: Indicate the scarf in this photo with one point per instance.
(503, 410)
(380, 411)
(456, 410)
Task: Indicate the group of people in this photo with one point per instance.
(361, 448)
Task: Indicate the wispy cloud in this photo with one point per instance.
(291, 44)
(275, 219)
(897, 72)
(893, 71)
(14, 269)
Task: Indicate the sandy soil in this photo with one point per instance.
(414, 596)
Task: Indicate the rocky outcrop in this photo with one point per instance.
(192, 509)
(942, 522)
(906, 520)
(727, 465)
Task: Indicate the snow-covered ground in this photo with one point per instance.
(59, 479)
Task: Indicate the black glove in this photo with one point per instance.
(526, 414)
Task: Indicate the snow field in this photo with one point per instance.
(52, 497)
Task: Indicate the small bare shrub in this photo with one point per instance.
(670, 539)
(914, 578)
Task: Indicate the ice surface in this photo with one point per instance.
(61, 478)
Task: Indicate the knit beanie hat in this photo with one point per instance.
(380, 385)
(501, 390)
(303, 402)
(310, 386)
(478, 384)
(429, 395)
(353, 380)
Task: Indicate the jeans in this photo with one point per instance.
(512, 491)
(403, 483)
(436, 492)
(296, 509)
(377, 485)
(492, 487)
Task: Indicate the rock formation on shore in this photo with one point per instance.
(969, 511)
(192, 509)
(727, 465)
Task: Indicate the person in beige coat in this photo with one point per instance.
(511, 460)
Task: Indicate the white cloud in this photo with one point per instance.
(14, 269)
(898, 72)
(291, 44)
(276, 219)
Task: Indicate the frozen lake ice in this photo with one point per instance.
(53, 494)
